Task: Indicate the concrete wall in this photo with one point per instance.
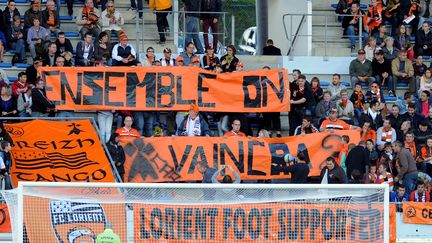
(276, 10)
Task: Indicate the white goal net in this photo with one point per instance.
(79, 212)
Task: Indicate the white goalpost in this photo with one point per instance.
(183, 212)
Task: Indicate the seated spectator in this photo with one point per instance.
(36, 37)
(420, 195)
(167, 60)
(358, 99)
(399, 197)
(381, 69)
(85, 51)
(395, 118)
(179, 61)
(426, 81)
(401, 133)
(345, 107)
(41, 105)
(351, 25)
(15, 40)
(410, 144)
(10, 12)
(63, 44)
(188, 54)
(419, 70)
(335, 173)
(124, 54)
(376, 94)
(306, 127)
(89, 20)
(112, 20)
(333, 123)
(421, 134)
(196, 63)
(20, 86)
(4, 81)
(422, 104)
(402, 41)
(372, 176)
(60, 62)
(32, 71)
(335, 87)
(193, 124)
(385, 177)
(210, 60)
(385, 134)
(381, 35)
(8, 103)
(323, 107)
(367, 133)
(127, 132)
(413, 116)
(103, 50)
(403, 71)
(24, 103)
(235, 131)
(360, 69)
(157, 63)
(51, 18)
(371, 48)
(68, 59)
(373, 115)
(50, 56)
(403, 104)
(390, 52)
(3, 45)
(317, 91)
(229, 61)
(423, 41)
(374, 16)
(149, 57)
(32, 13)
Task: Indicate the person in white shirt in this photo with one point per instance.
(112, 20)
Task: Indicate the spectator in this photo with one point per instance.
(51, 56)
(196, 62)
(235, 131)
(299, 171)
(162, 7)
(323, 107)
(36, 37)
(103, 50)
(374, 16)
(210, 60)
(51, 18)
(335, 173)
(15, 40)
(385, 134)
(32, 71)
(333, 123)
(382, 72)
(408, 170)
(351, 25)
(128, 132)
(117, 154)
(24, 103)
(6, 164)
(40, 103)
(188, 54)
(63, 44)
(60, 61)
(167, 60)
(8, 103)
(381, 35)
(345, 107)
(306, 127)
(426, 151)
(10, 12)
(371, 48)
(357, 159)
(317, 91)
(85, 51)
(193, 124)
(421, 134)
(405, 128)
(179, 61)
(395, 118)
(211, 20)
(206, 171)
(144, 122)
(108, 236)
(419, 70)
(403, 104)
(270, 49)
(390, 52)
(192, 8)
(399, 197)
(385, 177)
(426, 81)
(360, 69)
(423, 41)
(20, 86)
(226, 178)
(376, 94)
(422, 104)
(229, 61)
(124, 54)
(402, 41)
(68, 59)
(335, 88)
(133, 7)
(420, 195)
(111, 20)
(413, 116)
(367, 133)
(4, 81)
(403, 71)
(372, 154)
(358, 99)
(32, 13)
(105, 121)
(89, 20)
(373, 115)
(300, 100)
(149, 57)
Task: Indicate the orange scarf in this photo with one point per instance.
(376, 91)
(51, 18)
(412, 147)
(90, 16)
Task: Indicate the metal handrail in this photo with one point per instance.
(290, 36)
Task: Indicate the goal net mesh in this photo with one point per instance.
(74, 212)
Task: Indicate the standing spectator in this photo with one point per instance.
(351, 25)
(24, 103)
(407, 166)
(402, 41)
(360, 69)
(15, 40)
(423, 41)
(420, 195)
(60, 62)
(6, 161)
(358, 99)
(32, 71)
(399, 197)
(20, 86)
(85, 51)
(411, 145)
(8, 103)
(123, 53)
(382, 72)
(373, 115)
(422, 104)
(193, 124)
(317, 91)
(403, 104)
(412, 116)
(403, 71)
(211, 20)
(167, 60)
(10, 12)
(390, 52)
(419, 70)
(50, 56)
(229, 61)
(421, 134)
(270, 49)
(36, 37)
(192, 8)
(381, 35)
(385, 177)
(162, 7)
(210, 60)
(357, 159)
(127, 132)
(144, 122)
(336, 87)
(373, 157)
(51, 18)
(206, 171)
(371, 48)
(345, 107)
(395, 117)
(133, 7)
(374, 16)
(300, 99)
(426, 81)
(63, 44)
(40, 103)
(299, 171)
(32, 13)
(105, 121)
(149, 57)
(117, 154)
(179, 61)
(188, 54)
(403, 131)
(89, 20)
(112, 20)
(335, 173)
(385, 134)
(103, 50)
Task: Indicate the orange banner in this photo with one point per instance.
(57, 151)
(166, 88)
(166, 159)
(267, 222)
(5, 223)
(71, 221)
(392, 231)
(417, 213)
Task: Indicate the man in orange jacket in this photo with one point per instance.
(235, 132)
(161, 17)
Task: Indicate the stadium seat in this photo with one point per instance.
(5, 65)
(362, 6)
(390, 98)
(402, 85)
(113, 34)
(22, 65)
(12, 51)
(333, 5)
(324, 83)
(72, 34)
(346, 84)
(426, 58)
(354, 54)
(3, 1)
(21, 1)
(66, 17)
(364, 84)
(12, 79)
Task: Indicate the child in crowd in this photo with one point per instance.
(358, 100)
(385, 177)
(372, 177)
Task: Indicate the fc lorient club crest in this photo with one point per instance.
(75, 222)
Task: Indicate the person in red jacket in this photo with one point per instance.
(20, 85)
(420, 195)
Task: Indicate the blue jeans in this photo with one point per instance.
(19, 47)
(192, 30)
(389, 82)
(143, 121)
(410, 181)
(353, 37)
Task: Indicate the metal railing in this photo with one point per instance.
(292, 37)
